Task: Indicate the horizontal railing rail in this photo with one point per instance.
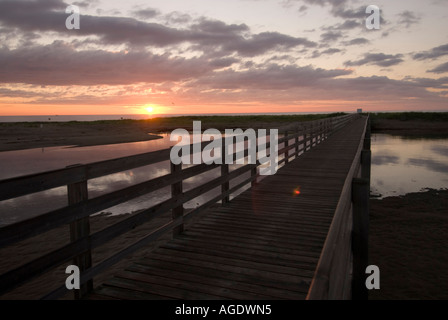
(80, 207)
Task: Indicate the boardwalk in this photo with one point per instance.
(264, 244)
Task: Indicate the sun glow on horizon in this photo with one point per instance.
(149, 110)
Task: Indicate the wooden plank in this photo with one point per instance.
(186, 284)
(276, 271)
(117, 293)
(249, 243)
(245, 252)
(277, 280)
(217, 279)
(160, 289)
(231, 278)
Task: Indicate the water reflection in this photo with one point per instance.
(401, 165)
(19, 163)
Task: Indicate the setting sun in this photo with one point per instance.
(149, 109)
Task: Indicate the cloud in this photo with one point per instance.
(147, 13)
(330, 51)
(205, 34)
(356, 41)
(440, 69)
(408, 18)
(273, 76)
(326, 2)
(331, 36)
(378, 59)
(86, 4)
(265, 42)
(60, 64)
(348, 13)
(440, 83)
(349, 24)
(433, 53)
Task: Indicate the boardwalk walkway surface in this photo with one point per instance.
(265, 244)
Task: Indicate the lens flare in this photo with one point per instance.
(296, 191)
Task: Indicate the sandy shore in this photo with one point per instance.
(18, 136)
(408, 242)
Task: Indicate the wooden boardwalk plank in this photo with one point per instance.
(264, 244)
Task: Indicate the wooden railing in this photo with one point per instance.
(80, 207)
(340, 273)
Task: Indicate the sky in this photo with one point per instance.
(215, 56)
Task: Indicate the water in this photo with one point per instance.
(402, 165)
(25, 162)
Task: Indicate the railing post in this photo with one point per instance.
(297, 142)
(319, 130)
(286, 154)
(78, 192)
(360, 240)
(366, 155)
(224, 172)
(176, 190)
(311, 135)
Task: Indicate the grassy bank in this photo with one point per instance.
(410, 123)
(411, 116)
(159, 123)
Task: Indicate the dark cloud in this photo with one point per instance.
(60, 64)
(265, 42)
(433, 53)
(86, 4)
(349, 24)
(378, 59)
(205, 34)
(331, 36)
(178, 18)
(303, 8)
(349, 13)
(147, 13)
(356, 41)
(330, 51)
(223, 63)
(440, 69)
(408, 18)
(326, 2)
(440, 83)
(270, 77)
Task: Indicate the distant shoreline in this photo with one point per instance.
(28, 135)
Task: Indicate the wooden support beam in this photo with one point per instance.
(79, 229)
(360, 241)
(176, 190)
